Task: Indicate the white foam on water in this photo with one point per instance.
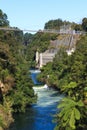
(46, 96)
(35, 71)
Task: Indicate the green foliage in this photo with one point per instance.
(5, 113)
(74, 88)
(4, 74)
(84, 24)
(69, 113)
(23, 93)
(28, 38)
(14, 68)
(53, 24)
(1, 122)
(3, 19)
(77, 27)
(68, 88)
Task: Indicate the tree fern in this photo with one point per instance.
(69, 113)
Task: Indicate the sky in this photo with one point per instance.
(33, 14)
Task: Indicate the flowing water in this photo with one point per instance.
(34, 74)
(41, 115)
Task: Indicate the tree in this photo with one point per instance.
(78, 27)
(3, 19)
(22, 94)
(53, 24)
(84, 24)
(27, 38)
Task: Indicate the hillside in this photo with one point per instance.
(16, 90)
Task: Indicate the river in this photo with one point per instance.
(41, 115)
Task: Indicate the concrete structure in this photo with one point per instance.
(66, 39)
(45, 58)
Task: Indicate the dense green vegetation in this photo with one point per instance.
(16, 90)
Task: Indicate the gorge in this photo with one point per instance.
(41, 114)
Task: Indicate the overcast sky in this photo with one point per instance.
(33, 14)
